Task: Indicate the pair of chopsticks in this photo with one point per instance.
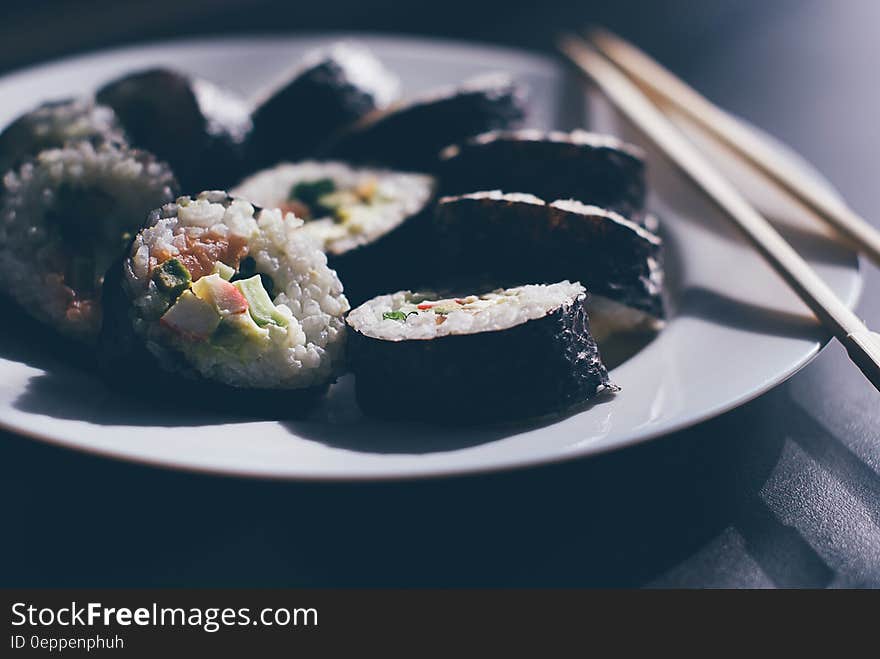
(630, 79)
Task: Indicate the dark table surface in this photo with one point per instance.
(784, 491)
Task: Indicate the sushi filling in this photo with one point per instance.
(66, 217)
(222, 307)
(342, 207)
(440, 309)
(319, 198)
(241, 293)
(424, 315)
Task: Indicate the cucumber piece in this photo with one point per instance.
(225, 271)
(260, 305)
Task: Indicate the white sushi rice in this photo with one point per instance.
(490, 312)
(33, 247)
(77, 120)
(308, 351)
(52, 125)
(398, 196)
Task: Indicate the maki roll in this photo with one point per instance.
(366, 220)
(65, 217)
(52, 125)
(411, 135)
(521, 238)
(197, 127)
(328, 91)
(510, 354)
(216, 291)
(599, 170)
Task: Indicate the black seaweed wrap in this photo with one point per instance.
(595, 169)
(543, 366)
(197, 127)
(518, 242)
(388, 262)
(411, 135)
(302, 114)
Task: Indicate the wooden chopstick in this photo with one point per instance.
(664, 87)
(862, 345)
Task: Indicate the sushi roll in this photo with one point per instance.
(366, 220)
(197, 127)
(521, 238)
(52, 125)
(328, 91)
(599, 170)
(412, 134)
(64, 218)
(506, 355)
(221, 294)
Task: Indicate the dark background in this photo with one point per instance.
(782, 492)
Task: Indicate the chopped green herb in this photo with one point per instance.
(398, 315)
(172, 278)
(309, 192)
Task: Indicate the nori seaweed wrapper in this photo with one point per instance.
(194, 125)
(544, 366)
(333, 89)
(598, 170)
(411, 135)
(393, 260)
(519, 238)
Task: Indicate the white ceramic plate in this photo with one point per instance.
(736, 329)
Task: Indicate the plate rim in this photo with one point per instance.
(400, 38)
(458, 471)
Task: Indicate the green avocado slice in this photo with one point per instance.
(172, 278)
